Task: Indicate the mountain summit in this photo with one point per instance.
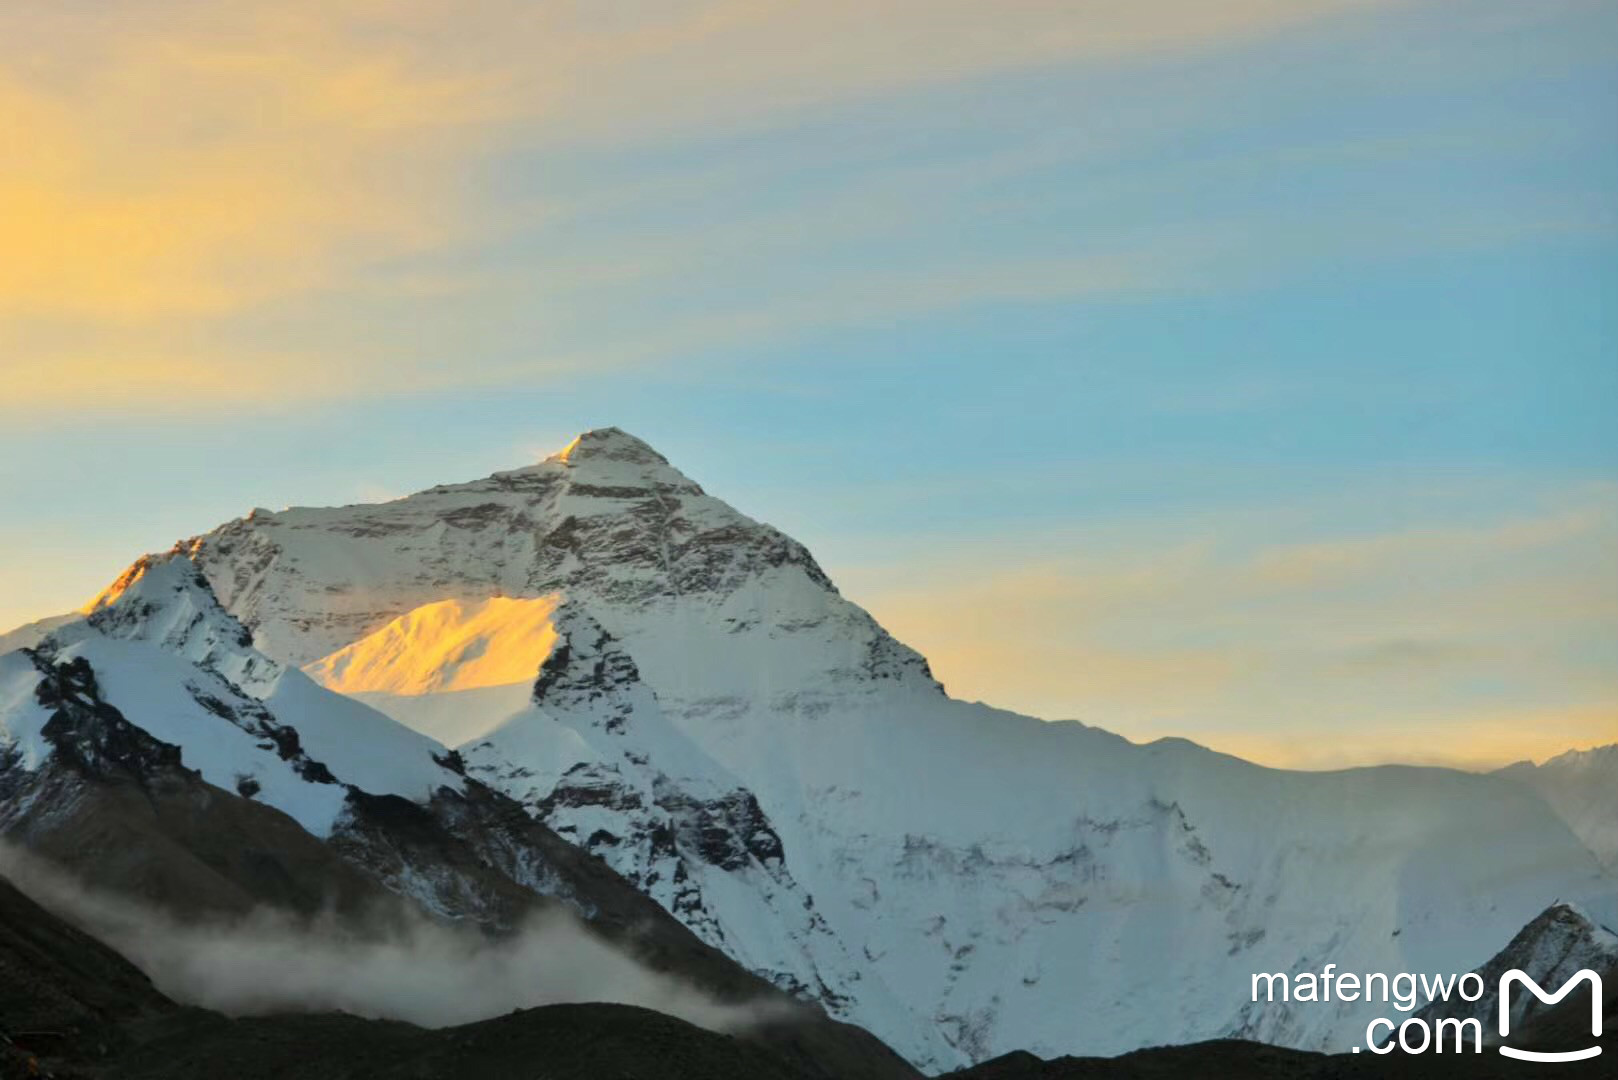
(681, 691)
(607, 444)
(607, 516)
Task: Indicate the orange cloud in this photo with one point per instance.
(180, 172)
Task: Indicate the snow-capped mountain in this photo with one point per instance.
(154, 668)
(146, 745)
(586, 748)
(1581, 786)
(1560, 942)
(184, 671)
(683, 691)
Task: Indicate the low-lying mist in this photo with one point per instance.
(420, 971)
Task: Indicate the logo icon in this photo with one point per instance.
(1515, 976)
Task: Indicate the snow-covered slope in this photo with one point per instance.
(581, 742)
(183, 670)
(156, 653)
(1581, 786)
(445, 647)
(154, 684)
(86, 787)
(1015, 884)
(1559, 943)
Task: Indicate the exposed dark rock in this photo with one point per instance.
(87, 731)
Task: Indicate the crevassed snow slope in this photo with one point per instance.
(1017, 884)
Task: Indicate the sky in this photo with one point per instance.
(1244, 372)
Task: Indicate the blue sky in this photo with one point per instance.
(1241, 372)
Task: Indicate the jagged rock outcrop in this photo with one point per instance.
(671, 820)
(1561, 941)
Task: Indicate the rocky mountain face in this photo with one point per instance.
(600, 651)
(671, 820)
(583, 745)
(1561, 941)
(607, 517)
(152, 751)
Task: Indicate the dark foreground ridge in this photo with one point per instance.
(1558, 1028)
(556, 1042)
(74, 1009)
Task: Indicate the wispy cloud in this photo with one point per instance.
(166, 160)
(276, 202)
(162, 166)
(412, 969)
